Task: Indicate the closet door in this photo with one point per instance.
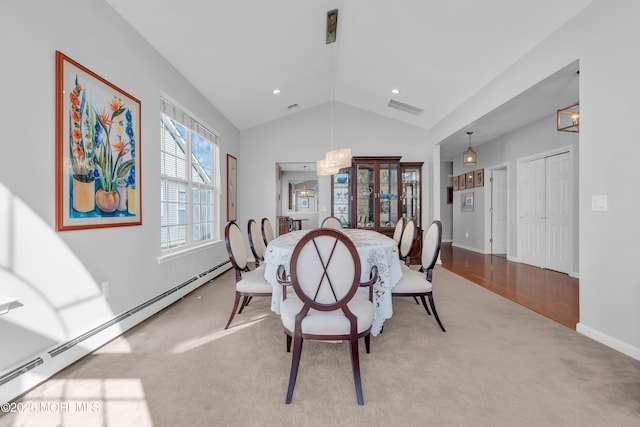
(532, 213)
(558, 212)
(545, 197)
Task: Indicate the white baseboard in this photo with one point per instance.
(447, 240)
(48, 365)
(609, 341)
(469, 248)
(574, 274)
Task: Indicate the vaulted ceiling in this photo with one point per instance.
(437, 53)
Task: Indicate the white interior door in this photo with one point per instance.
(531, 195)
(558, 212)
(499, 212)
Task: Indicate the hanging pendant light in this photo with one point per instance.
(334, 160)
(469, 155)
(304, 191)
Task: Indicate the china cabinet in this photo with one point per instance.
(375, 192)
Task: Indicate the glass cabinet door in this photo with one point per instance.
(411, 203)
(388, 194)
(365, 195)
(342, 197)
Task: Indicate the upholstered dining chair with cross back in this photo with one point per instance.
(419, 284)
(249, 283)
(325, 276)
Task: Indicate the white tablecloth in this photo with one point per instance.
(373, 248)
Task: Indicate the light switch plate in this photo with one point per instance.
(599, 203)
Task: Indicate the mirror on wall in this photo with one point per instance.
(298, 188)
(298, 193)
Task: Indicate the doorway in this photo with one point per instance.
(498, 210)
(545, 203)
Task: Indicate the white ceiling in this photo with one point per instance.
(438, 53)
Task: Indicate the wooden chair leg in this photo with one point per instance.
(416, 300)
(245, 301)
(295, 364)
(424, 304)
(367, 342)
(355, 362)
(288, 342)
(233, 312)
(435, 313)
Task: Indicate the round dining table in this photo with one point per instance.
(373, 249)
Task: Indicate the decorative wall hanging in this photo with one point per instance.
(470, 180)
(232, 188)
(466, 201)
(97, 151)
(455, 183)
(462, 182)
(480, 178)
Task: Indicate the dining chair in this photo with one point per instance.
(397, 233)
(331, 222)
(420, 283)
(255, 241)
(325, 276)
(249, 283)
(267, 231)
(407, 238)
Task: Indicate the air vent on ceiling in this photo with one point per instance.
(292, 106)
(407, 108)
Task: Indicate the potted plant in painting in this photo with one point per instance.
(114, 154)
(81, 146)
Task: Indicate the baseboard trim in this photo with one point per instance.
(609, 341)
(33, 372)
(469, 248)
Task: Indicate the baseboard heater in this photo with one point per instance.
(66, 346)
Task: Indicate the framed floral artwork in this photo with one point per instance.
(97, 151)
(232, 188)
(455, 183)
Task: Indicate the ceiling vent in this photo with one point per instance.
(407, 108)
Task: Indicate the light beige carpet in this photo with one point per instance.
(498, 364)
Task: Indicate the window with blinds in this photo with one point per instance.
(190, 176)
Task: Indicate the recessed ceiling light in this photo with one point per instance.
(395, 91)
(276, 91)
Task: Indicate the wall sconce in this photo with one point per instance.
(569, 119)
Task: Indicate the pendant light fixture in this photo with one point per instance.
(304, 191)
(469, 155)
(334, 160)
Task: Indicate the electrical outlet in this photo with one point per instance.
(105, 289)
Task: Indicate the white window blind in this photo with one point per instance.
(190, 177)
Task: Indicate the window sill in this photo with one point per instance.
(184, 252)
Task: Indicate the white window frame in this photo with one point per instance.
(174, 111)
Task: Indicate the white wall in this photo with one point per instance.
(604, 39)
(304, 137)
(58, 275)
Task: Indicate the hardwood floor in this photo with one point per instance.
(549, 293)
